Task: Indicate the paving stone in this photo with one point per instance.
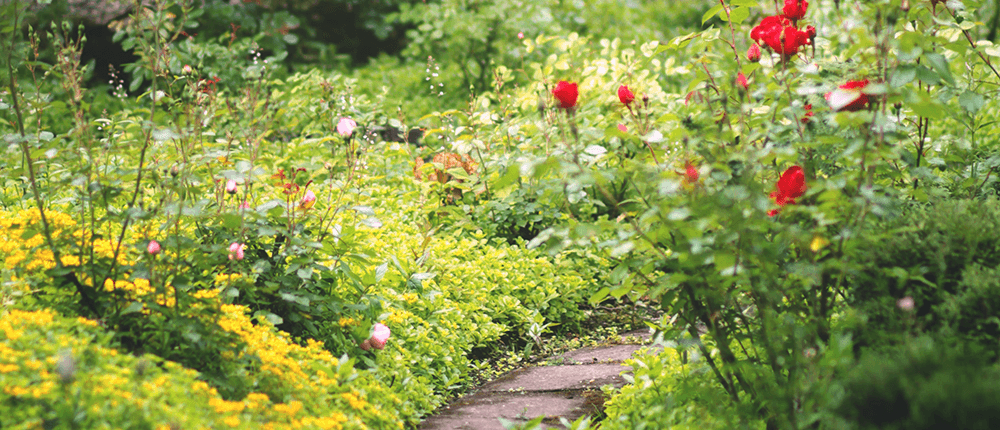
(565, 377)
(481, 410)
(598, 354)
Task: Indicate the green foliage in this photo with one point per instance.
(943, 256)
(667, 391)
(921, 385)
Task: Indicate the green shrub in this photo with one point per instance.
(667, 392)
(945, 257)
(922, 385)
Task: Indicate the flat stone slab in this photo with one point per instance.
(643, 334)
(556, 378)
(482, 410)
(598, 354)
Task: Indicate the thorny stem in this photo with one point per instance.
(974, 48)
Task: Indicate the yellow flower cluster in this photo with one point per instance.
(304, 376)
(141, 289)
(114, 387)
(224, 279)
(31, 253)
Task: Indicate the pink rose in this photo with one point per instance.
(236, 251)
(380, 334)
(346, 126)
(308, 200)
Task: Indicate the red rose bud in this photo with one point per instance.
(625, 95)
(848, 97)
(753, 53)
(690, 173)
(795, 9)
(741, 79)
(811, 32)
(809, 113)
(566, 93)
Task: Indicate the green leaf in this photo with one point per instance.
(902, 76)
(132, 308)
(711, 13)
(739, 14)
(940, 65)
(971, 101)
(599, 296)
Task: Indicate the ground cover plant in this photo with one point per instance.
(802, 191)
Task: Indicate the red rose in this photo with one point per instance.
(791, 185)
(788, 40)
(780, 35)
(848, 97)
(625, 95)
(795, 9)
(566, 93)
(753, 53)
(768, 25)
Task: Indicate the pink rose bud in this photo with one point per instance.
(245, 205)
(308, 200)
(520, 35)
(622, 128)
(153, 248)
(346, 126)
(753, 54)
(741, 79)
(236, 251)
(905, 303)
(380, 335)
(186, 69)
(231, 186)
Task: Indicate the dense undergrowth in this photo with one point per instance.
(805, 193)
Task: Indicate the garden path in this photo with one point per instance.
(569, 386)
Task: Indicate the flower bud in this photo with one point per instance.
(625, 95)
(308, 200)
(753, 54)
(231, 186)
(153, 248)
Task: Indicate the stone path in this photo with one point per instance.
(569, 388)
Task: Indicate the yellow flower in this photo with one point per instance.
(818, 243)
